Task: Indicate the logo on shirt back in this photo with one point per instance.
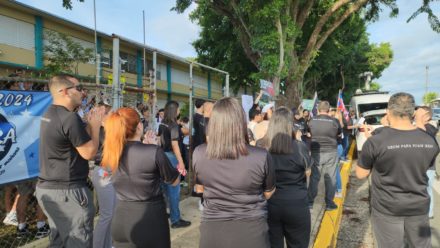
(7, 136)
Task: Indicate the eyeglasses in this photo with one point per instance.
(78, 87)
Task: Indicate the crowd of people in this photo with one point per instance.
(257, 180)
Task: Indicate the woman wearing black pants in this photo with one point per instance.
(289, 214)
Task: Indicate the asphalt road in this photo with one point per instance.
(355, 227)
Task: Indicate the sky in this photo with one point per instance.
(414, 44)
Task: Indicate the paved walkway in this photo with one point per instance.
(189, 237)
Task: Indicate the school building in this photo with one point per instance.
(22, 41)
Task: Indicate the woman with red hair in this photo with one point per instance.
(140, 218)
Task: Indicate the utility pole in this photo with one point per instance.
(97, 56)
(116, 70)
(426, 83)
(145, 56)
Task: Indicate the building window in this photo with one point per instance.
(129, 65)
(106, 58)
(16, 33)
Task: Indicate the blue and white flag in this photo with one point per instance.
(20, 114)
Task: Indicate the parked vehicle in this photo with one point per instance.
(370, 107)
(436, 115)
(371, 118)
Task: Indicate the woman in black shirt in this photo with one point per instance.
(169, 140)
(137, 171)
(236, 179)
(289, 214)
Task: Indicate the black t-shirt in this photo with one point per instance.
(399, 160)
(199, 136)
(61, 166)
(168, 133)
(98, 156)
(431, 130)
(300, 125)
(233, 189)
(290, 170)
(349, 122)
(325, 131)
(141, 169)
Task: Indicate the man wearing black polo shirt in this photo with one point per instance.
(65, 147)
(398, 157)
(325, 131)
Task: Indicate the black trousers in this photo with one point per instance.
(140, 224)
(289, 219)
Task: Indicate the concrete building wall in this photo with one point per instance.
(25, 50)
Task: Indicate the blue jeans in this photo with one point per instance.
(340, 151)
(431, 175)
(338, 179)
(173, 192)
(345, 146)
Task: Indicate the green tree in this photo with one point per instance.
(282, 38)
(64, 54)
(68, 3)
(343, 56)
(375, 86)
(429, 96)
(379, 58)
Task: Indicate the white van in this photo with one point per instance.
(363, 102)
(371, 107)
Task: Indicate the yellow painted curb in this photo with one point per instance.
(328, 231)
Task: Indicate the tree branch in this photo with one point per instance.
(246, 29)
(318, 28)
(281, 44)
(353, 8)
(295, 9)
(304, 13)
(245, 40)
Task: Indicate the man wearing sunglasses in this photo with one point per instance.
(65, 148)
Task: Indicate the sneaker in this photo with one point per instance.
(331, 207)
(338, 195)
(181, 223)
(43, 232)
(22, 233)
(201, 207)
(11, 219)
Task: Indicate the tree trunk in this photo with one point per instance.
(293, 97)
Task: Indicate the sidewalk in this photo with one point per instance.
(189, 237)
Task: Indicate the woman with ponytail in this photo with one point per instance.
(137, 170)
